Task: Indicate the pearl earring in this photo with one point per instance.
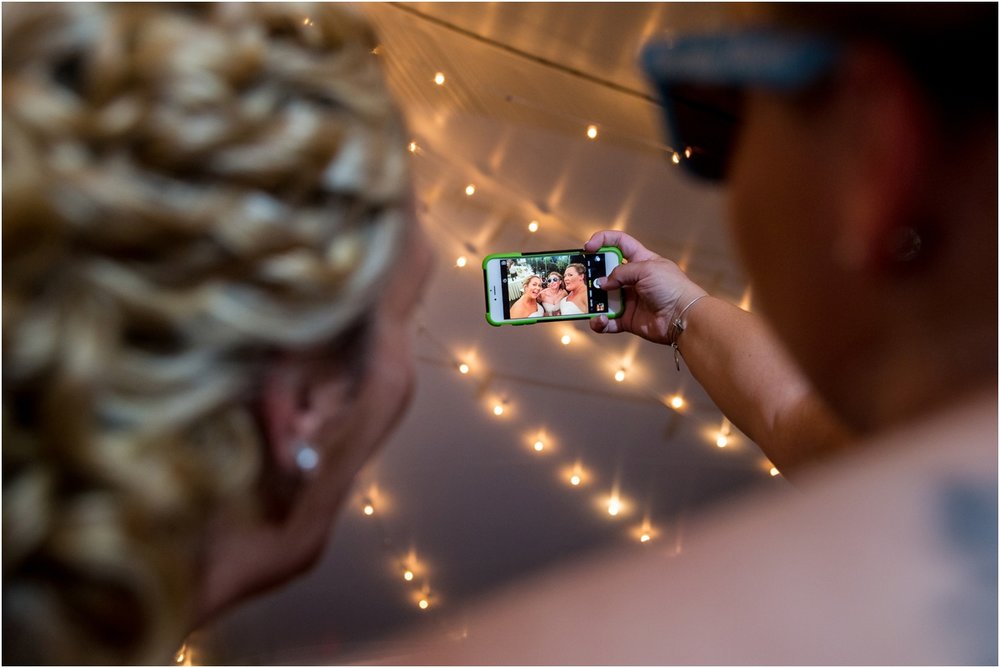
(306, 456)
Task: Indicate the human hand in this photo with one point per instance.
(656, 290)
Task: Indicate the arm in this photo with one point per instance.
(732, 354)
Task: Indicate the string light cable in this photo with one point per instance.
(555, 66)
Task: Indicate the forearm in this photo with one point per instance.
(750, 377)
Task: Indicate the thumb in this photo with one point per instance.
(624, 275)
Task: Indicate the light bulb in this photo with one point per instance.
(677, 402)
(620, 375)
(614, 507)
(592, 131)
(412, 147)
(408, 575)
(566, 338)
(470, 190)
(498, 409)
(539, 445)
(463, 368)
(676, 158)
(775, 471)
(574, 480)
(424, 604)
(722, 440)
(461, 261)
(687, 152)
(645, 538)
(369, 509)
(439, 79)
(533, 226)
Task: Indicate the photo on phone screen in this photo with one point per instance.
(539, 286)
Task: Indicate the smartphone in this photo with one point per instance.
(525, 288)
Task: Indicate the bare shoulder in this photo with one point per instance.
(888, 556)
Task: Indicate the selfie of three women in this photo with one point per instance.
(549, 286)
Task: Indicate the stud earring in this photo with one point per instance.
(905, 245)
(306, 456)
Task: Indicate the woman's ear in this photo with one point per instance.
(284, 400)
(301, 395)
(888, 126)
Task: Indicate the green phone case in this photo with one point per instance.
(532, 321)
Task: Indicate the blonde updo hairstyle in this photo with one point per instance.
(187, 192)
(524, 283)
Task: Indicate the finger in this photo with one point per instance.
(602, 324)
(630, 246)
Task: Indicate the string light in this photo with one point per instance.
(461, 261)
(687, 152)
(423, 604)
(676, 402)
(575, 475)
(620, 375)
(592, 131)
(413, 147)
(369, 509)
(722, 438)
(470, 190)
(644, 533)
(408, 575)
(774, 471)
(498, 409)
(747, 298)
(539, 445)
(614, 506)
(676, 158)
(463, 368)
(533, 226)
(566, 339)
(439, 78)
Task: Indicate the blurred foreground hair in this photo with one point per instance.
(188, 190)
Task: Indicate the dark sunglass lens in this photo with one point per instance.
(706, 121)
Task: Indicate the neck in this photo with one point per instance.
(924, 369)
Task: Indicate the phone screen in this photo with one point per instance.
(550, 285)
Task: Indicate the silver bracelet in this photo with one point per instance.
(678, 324)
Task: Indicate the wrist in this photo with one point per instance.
(679, 323)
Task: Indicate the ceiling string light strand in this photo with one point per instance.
(507, 190)
(545, 62)
(574, 123)
(675, 402)
(407, 568)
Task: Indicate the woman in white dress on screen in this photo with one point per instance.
(575, 278)
(527, 305)
(552, 294)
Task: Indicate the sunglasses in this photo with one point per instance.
(701, 81)
(550, 281)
